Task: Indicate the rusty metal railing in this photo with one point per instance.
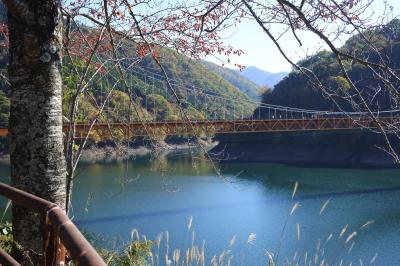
(61, 238)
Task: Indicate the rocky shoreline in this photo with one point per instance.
(110, 152)
(117, 153)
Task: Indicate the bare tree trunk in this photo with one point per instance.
(37, 157)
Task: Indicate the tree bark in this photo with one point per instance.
(37, 157)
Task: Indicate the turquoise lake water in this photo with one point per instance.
(159, 195)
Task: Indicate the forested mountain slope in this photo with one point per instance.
(296, 90)
(152, 98)
(232, 76)
(188, 73)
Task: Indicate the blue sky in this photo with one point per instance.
(262, 53)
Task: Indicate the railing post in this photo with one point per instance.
(49, 256)
(54, 252)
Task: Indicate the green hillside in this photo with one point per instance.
(151, 98)
(296, 90)
(242, 83)
(188, 74)
(329, 148)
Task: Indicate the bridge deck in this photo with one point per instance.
(209, 127)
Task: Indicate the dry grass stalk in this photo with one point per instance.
(305, 258)
(202, 254)
(351, 236)
(134, 235)
(176, 256)
(251, 238)
(316, 259)
(329, 238)
(190, 222)
(159, 239)
(343, 231)
(195, 255)
(296, 186)
(298, 231)
(229, 261)
(367, 224)
(318, 244)
(324, 206)
(167, 260)
(187, 256)
(351, 247)
(373, 258)
(270, 256)
(232, 241)
(295, 206)
(167, 242)
(294, 257)
(214, 260)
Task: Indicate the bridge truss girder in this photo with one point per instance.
(212, 127)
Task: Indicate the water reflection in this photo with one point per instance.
(280, 177)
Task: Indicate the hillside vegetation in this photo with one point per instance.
(190, 74)
(145, 95)
(232, 76)
(296, 90)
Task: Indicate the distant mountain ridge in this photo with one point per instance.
(262, 77)
(245, 85)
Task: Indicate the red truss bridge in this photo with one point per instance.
(211, 127)
(221, 113)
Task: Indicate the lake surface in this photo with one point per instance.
(154, 196)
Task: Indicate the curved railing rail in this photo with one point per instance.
(61, 238)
